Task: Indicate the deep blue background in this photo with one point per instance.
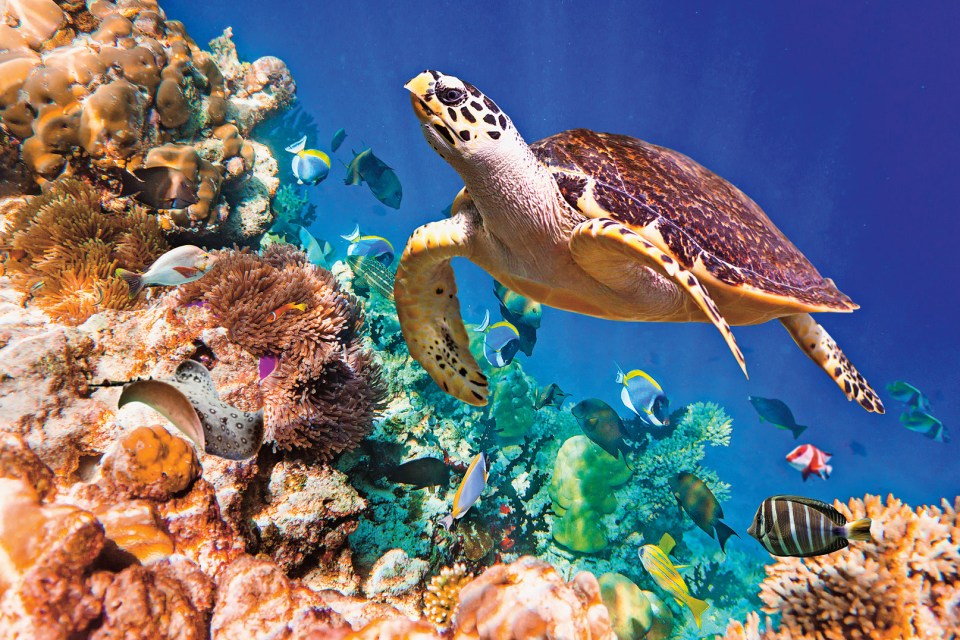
(840, 119)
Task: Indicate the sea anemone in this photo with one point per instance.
(325, 389)
(440, 600)
(62, 250)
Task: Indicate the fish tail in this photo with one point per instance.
(133, 280)
(354, 235)
(297, 146)
(827, 470)
(723, 533)
(300, 306)
(797, 429)
(859, 530)
(697, 607)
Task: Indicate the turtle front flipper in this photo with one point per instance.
(593, 241)
(429, 311)
(822, 349)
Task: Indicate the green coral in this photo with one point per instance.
(584, 477)
(513, 398)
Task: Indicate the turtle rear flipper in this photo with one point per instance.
(822, 349)
(429, 311)
(594, 241)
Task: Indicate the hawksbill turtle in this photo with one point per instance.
(599, 224)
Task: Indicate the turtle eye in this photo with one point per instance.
(451, 96)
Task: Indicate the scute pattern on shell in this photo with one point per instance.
(700, 215)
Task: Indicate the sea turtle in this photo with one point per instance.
(600, 224)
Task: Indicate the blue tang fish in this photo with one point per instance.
(338, 138)
(644, 396)
(375, 247)
(317, 253)
(501, 342)
(309, 165)
(468, 493)
(777, 413)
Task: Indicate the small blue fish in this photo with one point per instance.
(501, 342)
(375, 247)
(317, 253)
(644, 396)
(338, 139)
(777, 413)
(923, 422)
(858, 449)
(309, 165)
(468, 493)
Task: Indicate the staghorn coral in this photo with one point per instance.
(442, 594)
(326, 388)
(64, 251)
(906, 584)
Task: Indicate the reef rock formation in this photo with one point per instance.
(93, 89)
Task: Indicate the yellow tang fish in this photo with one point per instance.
(658, 564)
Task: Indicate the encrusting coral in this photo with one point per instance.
(906, 584)
(326, 388)
(62, 250)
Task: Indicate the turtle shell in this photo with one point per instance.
(710, 226)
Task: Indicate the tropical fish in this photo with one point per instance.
(310, 166)
(857, 448)
(317, 253)
(809, 460)
(501, 342)
(338, 139)
(550, 396)
(802, 527)
(601, 424)
(421, 473)
(923, 422)
(159, 187)
(190, 401)
(521, 312)
(177, 266)
(777, 413)
(468, 493)
(701, 505)
(374, 274)
(656, 561)
(908, 394)
(370, 246)
(383, 182)
(277, 313)
(644, 396)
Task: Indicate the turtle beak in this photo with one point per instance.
(421, 93)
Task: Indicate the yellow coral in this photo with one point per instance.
(152, 462)
(440, 600)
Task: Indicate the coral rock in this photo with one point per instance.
(112, 120)
(18, 461)
(134, 531)
(152, 462)
(529, 599)
(391, 629)
(37, 20)
(395, 574)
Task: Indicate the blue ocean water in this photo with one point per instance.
(838, 119)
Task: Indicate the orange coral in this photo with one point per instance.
(904, 585)
(752, 629)
(151, 462)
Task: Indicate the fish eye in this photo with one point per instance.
(451, 96)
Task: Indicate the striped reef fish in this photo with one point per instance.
(802, 527)
(656, 561)
(809, 460)
(374, 274)
(468, 493)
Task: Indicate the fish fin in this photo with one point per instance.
(187, 272)
(797, 429)
(826, 471)
(480, 328)
(822, 349)
(806, 473)
(597, 242)
(859, 530)
(132, 184)
(667, 543)
(681, 566)
(354, 235)
(133, 280)
(697, 608)
(723, 534)
(297, 146)
(832, 514)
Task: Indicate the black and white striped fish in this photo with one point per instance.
(801, 527)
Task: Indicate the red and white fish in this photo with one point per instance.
(177, 266)
(809, 460)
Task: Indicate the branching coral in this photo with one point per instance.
(64, 251)
(326, 388)
(442, 594)
(906, 584)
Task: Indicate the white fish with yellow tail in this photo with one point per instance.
(658, 564)
(309, 166)
(175, 267)
(468, 493)
(644, 396)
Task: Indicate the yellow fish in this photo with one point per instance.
(658, 564)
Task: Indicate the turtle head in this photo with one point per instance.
(457, 119)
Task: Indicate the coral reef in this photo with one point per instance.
(63, 250)
(92, 91)
(442, 594)
(906, 584)
(326, 388)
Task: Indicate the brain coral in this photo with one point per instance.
(906, 584)
(325, 389)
